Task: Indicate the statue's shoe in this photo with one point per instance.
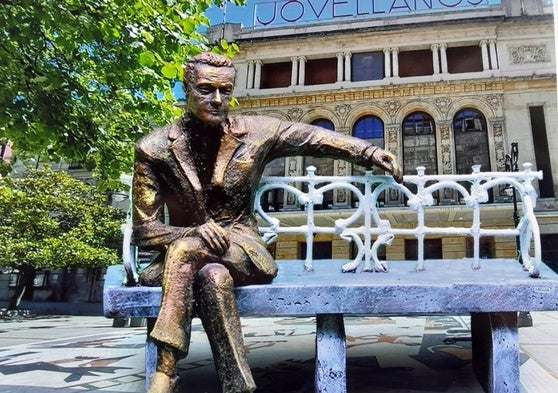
(162, 383)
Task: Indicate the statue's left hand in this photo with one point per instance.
(388, 162)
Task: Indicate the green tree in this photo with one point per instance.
(51, 220)
(84, 79)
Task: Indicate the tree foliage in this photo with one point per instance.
(50, 220)
(84, 79)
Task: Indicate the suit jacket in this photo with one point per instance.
(165, 174)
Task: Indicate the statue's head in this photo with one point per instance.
(208, 84)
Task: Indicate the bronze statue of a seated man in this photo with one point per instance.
(204, 169)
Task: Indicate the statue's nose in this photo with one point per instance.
(217, 98)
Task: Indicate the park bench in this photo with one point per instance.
(492, 290)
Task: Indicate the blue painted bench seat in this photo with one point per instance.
(492, 295)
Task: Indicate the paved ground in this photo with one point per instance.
(385, 355)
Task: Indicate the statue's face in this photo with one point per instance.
(210, 94)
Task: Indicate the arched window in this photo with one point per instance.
(419, 143)
(324, 123)
(324, 166)
(273, 200)
(371, 129)
(471, 141)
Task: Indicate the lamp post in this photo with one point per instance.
(511, 166)
(524, 318)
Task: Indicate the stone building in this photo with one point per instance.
(443, 84)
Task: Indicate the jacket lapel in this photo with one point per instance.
(181, 153)
(229, 145)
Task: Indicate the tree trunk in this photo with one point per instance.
(24, 286)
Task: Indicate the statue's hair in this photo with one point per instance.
(209, 58)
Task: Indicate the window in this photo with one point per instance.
(371, 129)
(14, 279)
(272, 200)
(381, 252)
(549, 250)
(324, 123)
(367, 66)
(464, 59)
(320, 71)
(40, 280)
(432, 249)
(415, 63)
(471, 141)
(320, 250)
(486, 247)
(542, 153)
(276, 75)
(323, 165)
(419, 143)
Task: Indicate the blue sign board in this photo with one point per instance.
(276, 13)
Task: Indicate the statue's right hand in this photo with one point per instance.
(215, 237)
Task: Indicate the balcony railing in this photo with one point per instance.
(366, 227)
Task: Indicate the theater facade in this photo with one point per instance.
(442, 84)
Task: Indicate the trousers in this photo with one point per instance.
(196, 281)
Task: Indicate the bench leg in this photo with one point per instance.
(496, 351)
(331, 359)
(150, 354)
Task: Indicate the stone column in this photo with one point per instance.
(395, 62)
(446, 158)
(340, 61)
(444, 58)
(493, 55)
(348, 56)
(392, 141)
(341, 198)
(445, 152)
(301, 70)
(484, 50)
(258, 74)
(435, 58)
(496, 131)
(496, 134)
(387, 63)
(294, 71)
(250, 78)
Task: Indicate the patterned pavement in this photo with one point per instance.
(385, 355)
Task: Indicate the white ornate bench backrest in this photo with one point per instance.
(368, 230)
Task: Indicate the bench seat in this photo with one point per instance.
(492, 295)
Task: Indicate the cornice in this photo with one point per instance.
(387, 92)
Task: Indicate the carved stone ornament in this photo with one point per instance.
(495, 101)
(295, 114)
(250, 113)
(343, 111)
(442, 103)
(446, 144)
(528, 54)
(498, 132)
(392, 107)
